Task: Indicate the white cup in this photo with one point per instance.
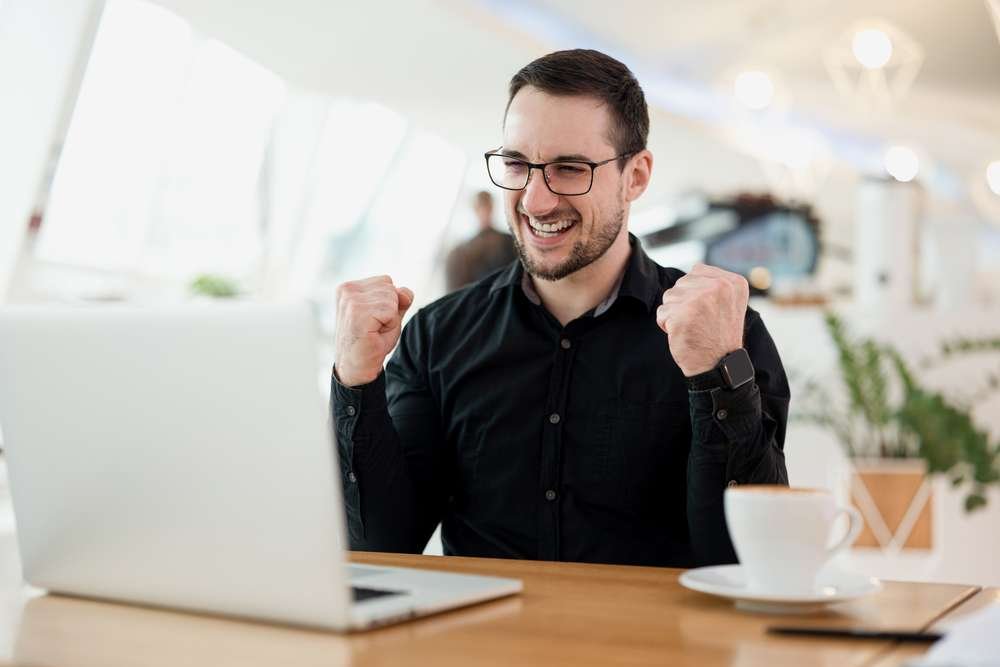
(782, 535)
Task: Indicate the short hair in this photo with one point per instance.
(482, 198)
(595, 74)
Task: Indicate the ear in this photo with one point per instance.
(637, 174)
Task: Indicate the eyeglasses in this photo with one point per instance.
(567, 178)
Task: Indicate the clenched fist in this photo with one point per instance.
(703, 314)
(369, 319)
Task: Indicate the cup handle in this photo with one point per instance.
(852, 530)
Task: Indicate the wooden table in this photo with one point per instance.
(570, 614)
(978, 601)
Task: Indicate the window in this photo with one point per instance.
(185, 157)
(106, 179)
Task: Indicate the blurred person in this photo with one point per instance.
(487, 251)
(585, 404)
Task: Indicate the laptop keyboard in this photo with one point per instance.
(361, 594)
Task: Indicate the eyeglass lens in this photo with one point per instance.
(564, 178)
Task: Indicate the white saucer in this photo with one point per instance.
(729, 581)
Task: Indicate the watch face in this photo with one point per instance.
(737, 368)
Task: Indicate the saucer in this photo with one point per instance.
(729, 581)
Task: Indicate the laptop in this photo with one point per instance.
(182, 457)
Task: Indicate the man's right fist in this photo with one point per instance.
(369, 319)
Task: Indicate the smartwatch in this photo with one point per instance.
(734, 370)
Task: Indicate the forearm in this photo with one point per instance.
(735, 440)
(387, 510)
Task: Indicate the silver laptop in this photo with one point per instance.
(182, 457)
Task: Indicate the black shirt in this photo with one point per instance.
(527, 439)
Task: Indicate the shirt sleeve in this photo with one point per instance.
(738, 437)
(390, 446)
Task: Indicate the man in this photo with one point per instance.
(481, 255)
(583, 404)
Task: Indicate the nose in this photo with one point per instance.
(536, 198)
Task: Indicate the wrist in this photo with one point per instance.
(704, 365)
(350, 379)
(691, 371)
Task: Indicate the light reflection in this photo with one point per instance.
(993, 177)
(754, 90)
(902, 163)
(872, 48)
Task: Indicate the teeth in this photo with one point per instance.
(547, 230)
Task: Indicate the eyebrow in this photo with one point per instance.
(559, 158)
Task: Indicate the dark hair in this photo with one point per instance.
(592, 73)
(483, 198)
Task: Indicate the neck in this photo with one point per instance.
(572, 296)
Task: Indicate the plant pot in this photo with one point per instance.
(894, 498)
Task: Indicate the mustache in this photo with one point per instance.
(555, 216)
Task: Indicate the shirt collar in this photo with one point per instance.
(640, 280)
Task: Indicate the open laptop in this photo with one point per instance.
(182, 457)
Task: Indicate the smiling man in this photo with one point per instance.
(583, 403)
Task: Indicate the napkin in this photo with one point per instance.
(971, 641)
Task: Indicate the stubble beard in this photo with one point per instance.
(582, 253)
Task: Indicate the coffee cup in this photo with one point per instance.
(782, 535)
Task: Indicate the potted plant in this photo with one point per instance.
(214, 286)
(897, 432)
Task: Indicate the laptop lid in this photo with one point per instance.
(176, 456)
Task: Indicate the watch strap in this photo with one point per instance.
(733, 370)
(710, 379)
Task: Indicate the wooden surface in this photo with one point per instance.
(904, 652)
(570, 614)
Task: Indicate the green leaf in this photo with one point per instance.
(920, 422)
(215, 286)
(974, 501)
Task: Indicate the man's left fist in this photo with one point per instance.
(703, 314)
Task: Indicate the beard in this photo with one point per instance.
(582, 254)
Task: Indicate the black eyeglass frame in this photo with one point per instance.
(542, 165)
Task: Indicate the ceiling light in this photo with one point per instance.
(873, 64)
(872, 48)
(760, 278)
(901, 163)
(754, 90)
(993, 176)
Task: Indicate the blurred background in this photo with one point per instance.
(843, 156)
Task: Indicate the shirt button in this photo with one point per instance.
(721, 415)
(554, 418)
(550, 495)
(352, 478)
(565, 343)
(732, 483)
(351, 410)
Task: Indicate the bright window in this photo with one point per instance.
(103, 191)
(185, 157)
